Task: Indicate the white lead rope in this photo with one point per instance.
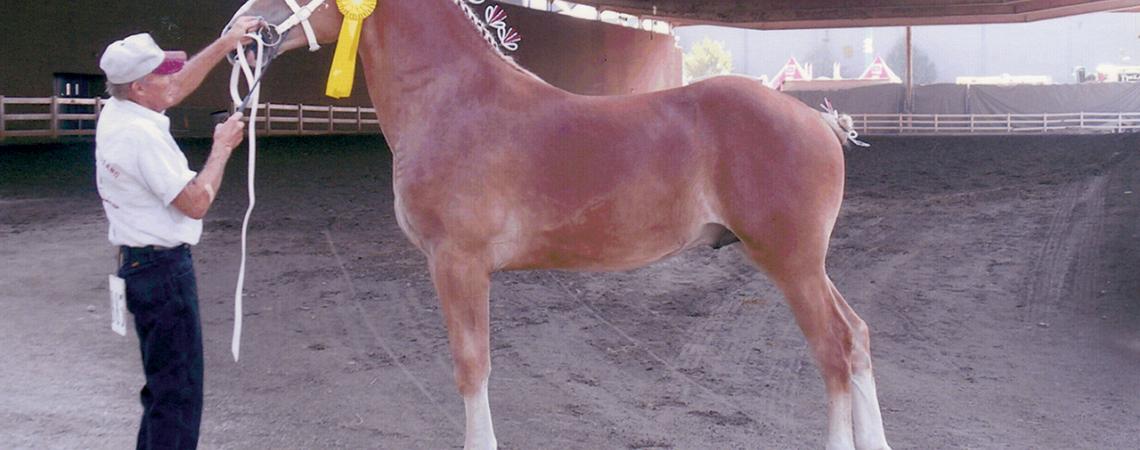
(252, 78)
(253, 98)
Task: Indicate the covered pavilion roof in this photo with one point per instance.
(804, 14)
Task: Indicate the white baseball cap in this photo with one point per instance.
(135, 56)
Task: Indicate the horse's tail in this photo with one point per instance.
(842, 125)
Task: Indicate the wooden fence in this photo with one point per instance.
(957, 124)
(277, 119)
(48, 117)
(54, 117)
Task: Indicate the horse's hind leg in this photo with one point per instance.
(868, 420)
(463, 284)
(839, 341)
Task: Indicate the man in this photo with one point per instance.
(154, 205)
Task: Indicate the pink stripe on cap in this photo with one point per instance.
(171, 64)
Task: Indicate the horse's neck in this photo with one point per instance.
(423, 57)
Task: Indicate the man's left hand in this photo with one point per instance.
(242, 26)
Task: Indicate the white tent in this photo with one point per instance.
(792, 71)
(879, 71)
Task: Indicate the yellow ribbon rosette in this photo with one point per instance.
(344, 60)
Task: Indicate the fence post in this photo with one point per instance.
(971, 123)
(1119, 122)
(359, 124)
(55, 117)
(936, 123)
(1082, 120)
(268, 118)
(2, 124)
(1045, 121)
(300, 118)
(332, 126)
(1008, 123)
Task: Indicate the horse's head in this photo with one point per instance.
(290, 24)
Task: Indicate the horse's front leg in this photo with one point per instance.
(463, 283)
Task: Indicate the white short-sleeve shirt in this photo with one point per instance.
(139, 171)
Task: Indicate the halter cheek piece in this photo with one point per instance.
(302, 15)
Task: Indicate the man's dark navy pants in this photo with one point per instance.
(162, 294)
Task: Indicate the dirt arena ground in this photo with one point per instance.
(1000, 276)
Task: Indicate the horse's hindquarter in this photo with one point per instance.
(779, 172)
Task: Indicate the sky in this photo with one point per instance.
(1051, 47)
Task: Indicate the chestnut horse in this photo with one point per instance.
(494, 170)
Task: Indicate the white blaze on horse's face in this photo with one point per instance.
(324, 20)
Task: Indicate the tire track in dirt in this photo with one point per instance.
(1085, 277)
(593, 378)
(374, 336)
(709, 393)
(704, 341)
(722, 346)
(884, 244)
(1072, 230)
(713, 348)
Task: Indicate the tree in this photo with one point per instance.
(925, 72)
(707, 58)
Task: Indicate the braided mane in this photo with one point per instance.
(492, 25)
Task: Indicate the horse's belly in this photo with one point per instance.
(607, 247)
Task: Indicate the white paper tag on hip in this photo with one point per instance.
(118, 304)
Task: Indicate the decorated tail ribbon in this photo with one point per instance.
(844, 121)
(344, 60)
